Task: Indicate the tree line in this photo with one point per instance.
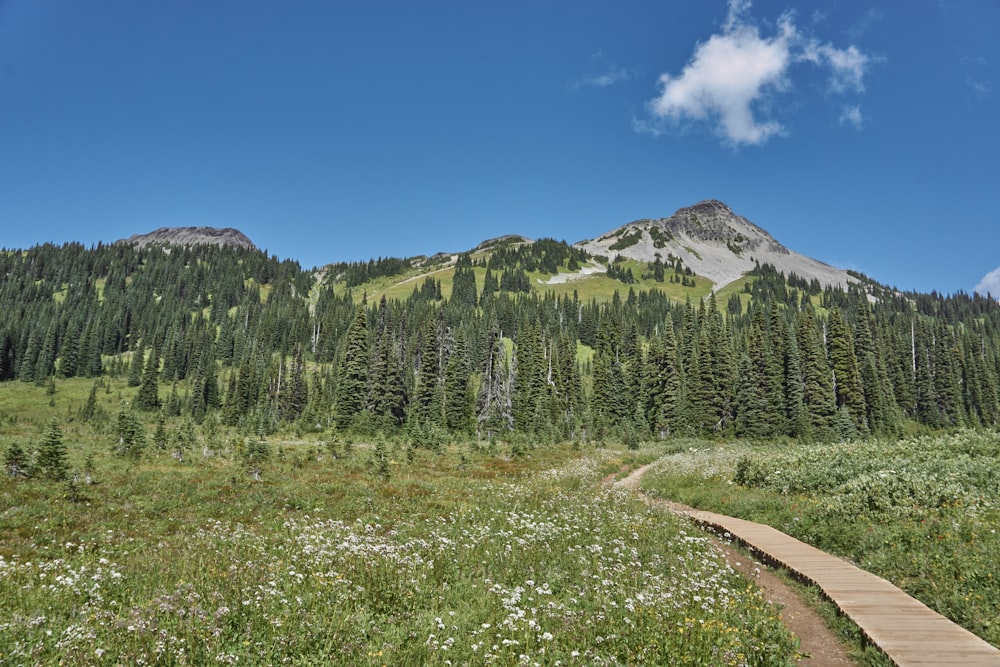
(250, 338)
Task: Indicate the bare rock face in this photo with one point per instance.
(715, 242)
(191, 236)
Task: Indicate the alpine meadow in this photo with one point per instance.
(212, 455)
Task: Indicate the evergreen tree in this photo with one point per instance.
(662, 382)
(387, 396)
(945, 357)
(352, 384)
(848, 391)
(530, 390)
(565, 373)
(136, 367)
(69, 352)
(89, 409)
(294, 394)
(45, 366)
(609, 403)
(16, 461)
(428, 398)
(160, 437)
(457, 397)
(255, 454)
(927, 410)
(817, 381)
(129, 434)
(52, 459)
(148, 397)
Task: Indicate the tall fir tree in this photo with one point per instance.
(457, 396)
(148, 396)
(848, 391)
(817, 381)
(387, 397)
(352, 383)
(428, 398)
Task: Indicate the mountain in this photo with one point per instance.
(714, 242)
(191, 236)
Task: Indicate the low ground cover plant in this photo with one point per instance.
(923, 512)
(454, 557)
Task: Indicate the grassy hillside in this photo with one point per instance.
(596, 286)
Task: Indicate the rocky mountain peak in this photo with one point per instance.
(714, 242)
(707, 207)
(190, 236)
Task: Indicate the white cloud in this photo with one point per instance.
(737, 72)
(852, 115)
(609, 78)
(609, 74)
(847, 66)
(990, 284)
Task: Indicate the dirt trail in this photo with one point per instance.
(816, 640)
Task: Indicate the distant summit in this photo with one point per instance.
(191, 236)
(715, 242)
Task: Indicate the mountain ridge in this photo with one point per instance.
(708, 238)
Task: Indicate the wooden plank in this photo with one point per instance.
(906, 630)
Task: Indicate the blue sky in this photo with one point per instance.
(864, 134)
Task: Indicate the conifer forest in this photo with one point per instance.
(262, 343)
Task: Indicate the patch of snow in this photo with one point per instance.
(562, 278)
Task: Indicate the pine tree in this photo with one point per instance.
(609, 403)
(52, 461)
(148, 396)
(428, 397)
(69, 352)
(457, 397)
(565, 373)
(256, 454)
(16, 461)
(352, 384)
(89, 409)
(751, 407)
(662, 382)
(129, 434)
(294, 395)
(160, 437)
(817, 381)
(45, 366)
(796, 417)
(136, 367)
(945, 356)
(530, 394)
(387, 397)
(927, 410)
(848, 391)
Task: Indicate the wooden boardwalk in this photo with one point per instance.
(905, 629)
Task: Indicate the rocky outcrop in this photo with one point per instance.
(191, 236)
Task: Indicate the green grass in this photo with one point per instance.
(598, 286)
(738, 286)
(922, 512)
(468, 555)
(595, 286)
